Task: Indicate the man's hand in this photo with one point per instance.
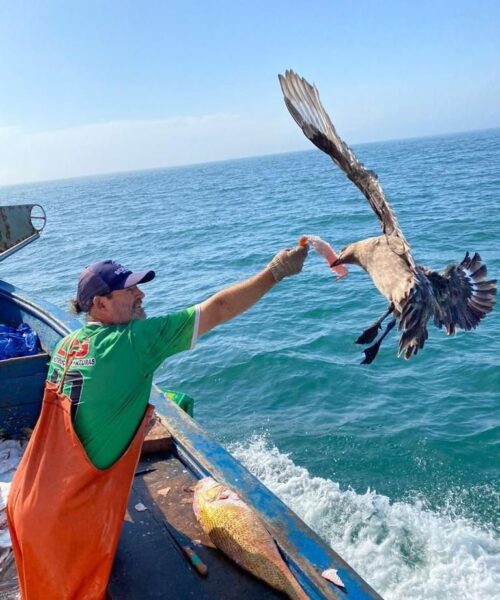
(288, 262)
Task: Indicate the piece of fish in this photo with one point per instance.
(326, 251)
(238, 531)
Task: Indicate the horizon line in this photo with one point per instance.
(238, 158)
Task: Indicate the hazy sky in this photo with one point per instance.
(104, 86)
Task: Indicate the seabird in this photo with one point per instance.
(456, 298)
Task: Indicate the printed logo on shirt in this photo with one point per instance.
(79, 352)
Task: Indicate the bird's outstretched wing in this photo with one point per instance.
(302, 100)
(462, 293)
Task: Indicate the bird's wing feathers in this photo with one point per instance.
(414, 316)
(462, 293)
(303, 103)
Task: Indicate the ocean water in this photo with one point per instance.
(396, 464)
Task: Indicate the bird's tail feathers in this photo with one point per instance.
(483, 293)
(463, 294)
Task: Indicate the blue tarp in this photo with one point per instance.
(20, 341)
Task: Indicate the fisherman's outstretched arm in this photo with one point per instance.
(237, 298)
(233, 300)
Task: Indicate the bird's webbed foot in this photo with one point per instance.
(371, 333)
(372, 351)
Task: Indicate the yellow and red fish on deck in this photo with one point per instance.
(240, 533)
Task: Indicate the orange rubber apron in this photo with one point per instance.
(64, 514)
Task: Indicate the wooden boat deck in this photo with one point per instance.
(150, 565)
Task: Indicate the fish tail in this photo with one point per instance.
(289, 584)
(296, 592)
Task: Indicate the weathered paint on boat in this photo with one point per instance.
(17, 227)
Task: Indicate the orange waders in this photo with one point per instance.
(64, 514)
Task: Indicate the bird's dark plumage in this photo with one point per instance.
(459, 297)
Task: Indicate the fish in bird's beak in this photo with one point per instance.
(347, 256)
(326, 251)
(341, 257)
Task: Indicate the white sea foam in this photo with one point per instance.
(403, 550)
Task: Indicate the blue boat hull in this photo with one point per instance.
(22, 379)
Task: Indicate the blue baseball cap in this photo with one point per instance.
(104, 277)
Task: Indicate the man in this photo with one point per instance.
(69, 495)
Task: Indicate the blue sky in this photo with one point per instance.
(94, 87)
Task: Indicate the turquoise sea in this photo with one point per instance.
(396, 464)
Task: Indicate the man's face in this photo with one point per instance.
(123, 306)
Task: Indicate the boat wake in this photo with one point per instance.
(402, 549)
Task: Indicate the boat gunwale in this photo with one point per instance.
(306, 553)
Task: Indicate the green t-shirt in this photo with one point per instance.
(110, 378)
